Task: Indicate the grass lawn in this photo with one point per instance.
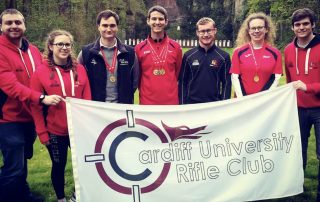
(40, 165)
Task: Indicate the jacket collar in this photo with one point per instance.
(6, 42)
(120, 46)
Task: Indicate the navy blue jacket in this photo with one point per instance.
(204, 76)
(127, 71)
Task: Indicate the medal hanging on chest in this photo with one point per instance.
(111, 68)
(159, 60)
(256, 77)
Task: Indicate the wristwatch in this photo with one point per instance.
(42, 96)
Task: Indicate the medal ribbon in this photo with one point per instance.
(159, 58)
(62, 82)
(114, 60)
(255, 61)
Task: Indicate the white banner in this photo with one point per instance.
(236, 150)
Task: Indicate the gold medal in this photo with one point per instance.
(162, 71)
(156, 72)
(256, 78)
(112, 78)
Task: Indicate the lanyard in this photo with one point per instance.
(114, 59)
(254, 59)
(31, 60)
(62, 83)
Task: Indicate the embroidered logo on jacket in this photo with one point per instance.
(214, 63)
(146, 52)
(93, 61)
(195, 63)
(54, 84)
(123, 62)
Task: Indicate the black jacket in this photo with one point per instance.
(204, 76)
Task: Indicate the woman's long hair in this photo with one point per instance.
(48, 54)
(243, 34)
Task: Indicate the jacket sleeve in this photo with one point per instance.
(80, 58)
(313, 88)
(225, 78)
(178, 62)
(11, 86)
(37, 111)
(183, 80)
(135, 73)
(86, 94)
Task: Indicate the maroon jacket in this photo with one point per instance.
(15, 72)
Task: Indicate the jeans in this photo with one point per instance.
(307, 118)
(16, 145)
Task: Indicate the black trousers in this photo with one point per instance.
(58, 150)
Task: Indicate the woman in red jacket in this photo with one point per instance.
(60, 74)
(256, 64)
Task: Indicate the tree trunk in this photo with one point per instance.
(11, 4)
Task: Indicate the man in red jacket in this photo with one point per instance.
(18, 60)
(160, 61)
(302, 62)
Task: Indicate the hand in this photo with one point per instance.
(52, 99)
(299, 85)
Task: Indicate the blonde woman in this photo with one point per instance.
(62, 75)
(256, 64)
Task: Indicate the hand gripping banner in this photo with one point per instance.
(236, 150)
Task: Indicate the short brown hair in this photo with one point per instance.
(107, 14)
(204, 21)
(303, 13)
(10, 11)
(160, 9)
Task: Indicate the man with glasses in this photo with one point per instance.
(160, 61)
(204, 75)
(302, 65)
(112, 67)
(18, 61)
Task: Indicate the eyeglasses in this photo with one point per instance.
(61, 45)
(259, 28)
(202, 32)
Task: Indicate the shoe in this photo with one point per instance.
(73, 198)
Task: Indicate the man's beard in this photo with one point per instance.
(14, 36)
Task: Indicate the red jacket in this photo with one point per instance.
(309, 74)
(15, 94)
(249, 62)
(56, 119)
(159, 89)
